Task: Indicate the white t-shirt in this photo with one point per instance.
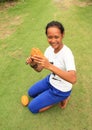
(64, 60)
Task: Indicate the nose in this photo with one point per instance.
(52, 40)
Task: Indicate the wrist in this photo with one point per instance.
(34, 66)
(50, 67)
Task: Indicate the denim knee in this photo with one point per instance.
(32, 108)
(31, 94)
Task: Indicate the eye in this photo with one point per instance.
(50, 37)
(56, 37)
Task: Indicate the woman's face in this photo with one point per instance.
(55, 37)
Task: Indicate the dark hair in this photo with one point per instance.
(55, 24)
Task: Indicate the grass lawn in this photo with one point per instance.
(22, 26)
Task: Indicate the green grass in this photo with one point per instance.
(23, 27)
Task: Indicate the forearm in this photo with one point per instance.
(69, 76)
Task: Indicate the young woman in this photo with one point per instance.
(58, 58)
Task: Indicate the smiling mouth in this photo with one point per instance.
(53, 44)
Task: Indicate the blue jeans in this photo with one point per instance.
(44, 94)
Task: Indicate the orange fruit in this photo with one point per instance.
(24, 100)
(36, 51)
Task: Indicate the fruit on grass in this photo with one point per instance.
(24, 100)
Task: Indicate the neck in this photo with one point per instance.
(58, 49)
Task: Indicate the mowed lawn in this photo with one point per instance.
(22, 26)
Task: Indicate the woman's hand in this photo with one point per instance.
(33, 64)
(28, 60)
(42, 61)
